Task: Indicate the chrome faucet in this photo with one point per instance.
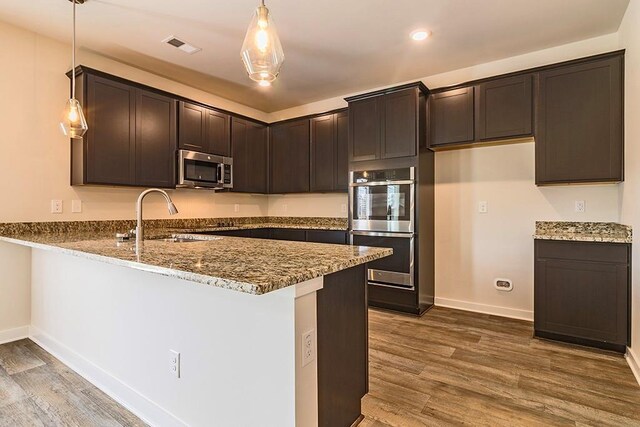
(139, 228)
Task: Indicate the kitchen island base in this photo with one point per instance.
(240, 354)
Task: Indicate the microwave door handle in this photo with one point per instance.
(220, 168)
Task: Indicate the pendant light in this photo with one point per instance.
(262, 52)
(73, 123)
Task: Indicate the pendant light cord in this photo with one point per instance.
(73, 54)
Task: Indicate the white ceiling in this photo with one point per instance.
(332, 47)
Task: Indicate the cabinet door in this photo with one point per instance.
(342, 151)
(579, 131)
(582, 299)
(192, 127)
(290, 234)
(451, 117)
(327, 236)
(365, 129)
(400, 136)
(323, 153)
(289, 157)
(260, 233)
(249, 152)
(218, 140)
(155, 140)
(504, 108)
(110, 139)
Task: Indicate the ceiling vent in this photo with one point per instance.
(183, 46)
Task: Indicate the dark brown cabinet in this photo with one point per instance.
(386, 125)
(582, 293)
(203, 129)
(250, 156)
(289, 157)
(504, 108)
(155, 140)
(400, 124)
(131, 139)
(451, 117)
(579, 130)
(342, 160)
(329, 162)
(364, 129)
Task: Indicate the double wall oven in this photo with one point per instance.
(382, 213)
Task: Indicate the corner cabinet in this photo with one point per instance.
(249, 143)
(579, 131)
(289, 157)
(386, 124)
(582, 293)
(131, 139)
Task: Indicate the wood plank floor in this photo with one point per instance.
(37, 390)
(453, 367)
(449, 367)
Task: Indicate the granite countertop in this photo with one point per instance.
(254, 266)
(606, 232)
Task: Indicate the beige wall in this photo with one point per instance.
(630, 40)
(473, 249)
(35, 155)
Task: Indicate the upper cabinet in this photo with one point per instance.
(504, 108)
(289, 157)
(329, 163)
(203, 129)
(492, 110)
(451, 117)
(579, 131)
(385, 124)
(249, 141)
(131, 138)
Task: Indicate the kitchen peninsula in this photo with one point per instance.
(202, 329)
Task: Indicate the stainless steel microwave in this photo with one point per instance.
(201, 170)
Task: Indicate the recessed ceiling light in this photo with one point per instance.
(419, 35)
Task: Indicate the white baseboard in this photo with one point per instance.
(484, 308)
(150, 412)
(14, 334)
(634, 363)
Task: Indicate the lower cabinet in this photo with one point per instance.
(582, 293)
(290, 234)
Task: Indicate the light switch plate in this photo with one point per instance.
(580, 206)
(236, 208)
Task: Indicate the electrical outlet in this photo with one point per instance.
(56, 206)
(505, 285)
(483, 206)
(580, 206)
(308, 347)
(174, 363)
(76, 206)
(285, 207)
(343, 208)
(236, 208)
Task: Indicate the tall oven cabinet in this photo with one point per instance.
(391, 194)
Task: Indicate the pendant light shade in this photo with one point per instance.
(262, 52)
(73, 123)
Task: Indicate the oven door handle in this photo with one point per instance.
(380, 183)
(382, 234)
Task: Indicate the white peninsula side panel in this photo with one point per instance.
(116, 325)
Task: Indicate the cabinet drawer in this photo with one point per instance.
(582, 251)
